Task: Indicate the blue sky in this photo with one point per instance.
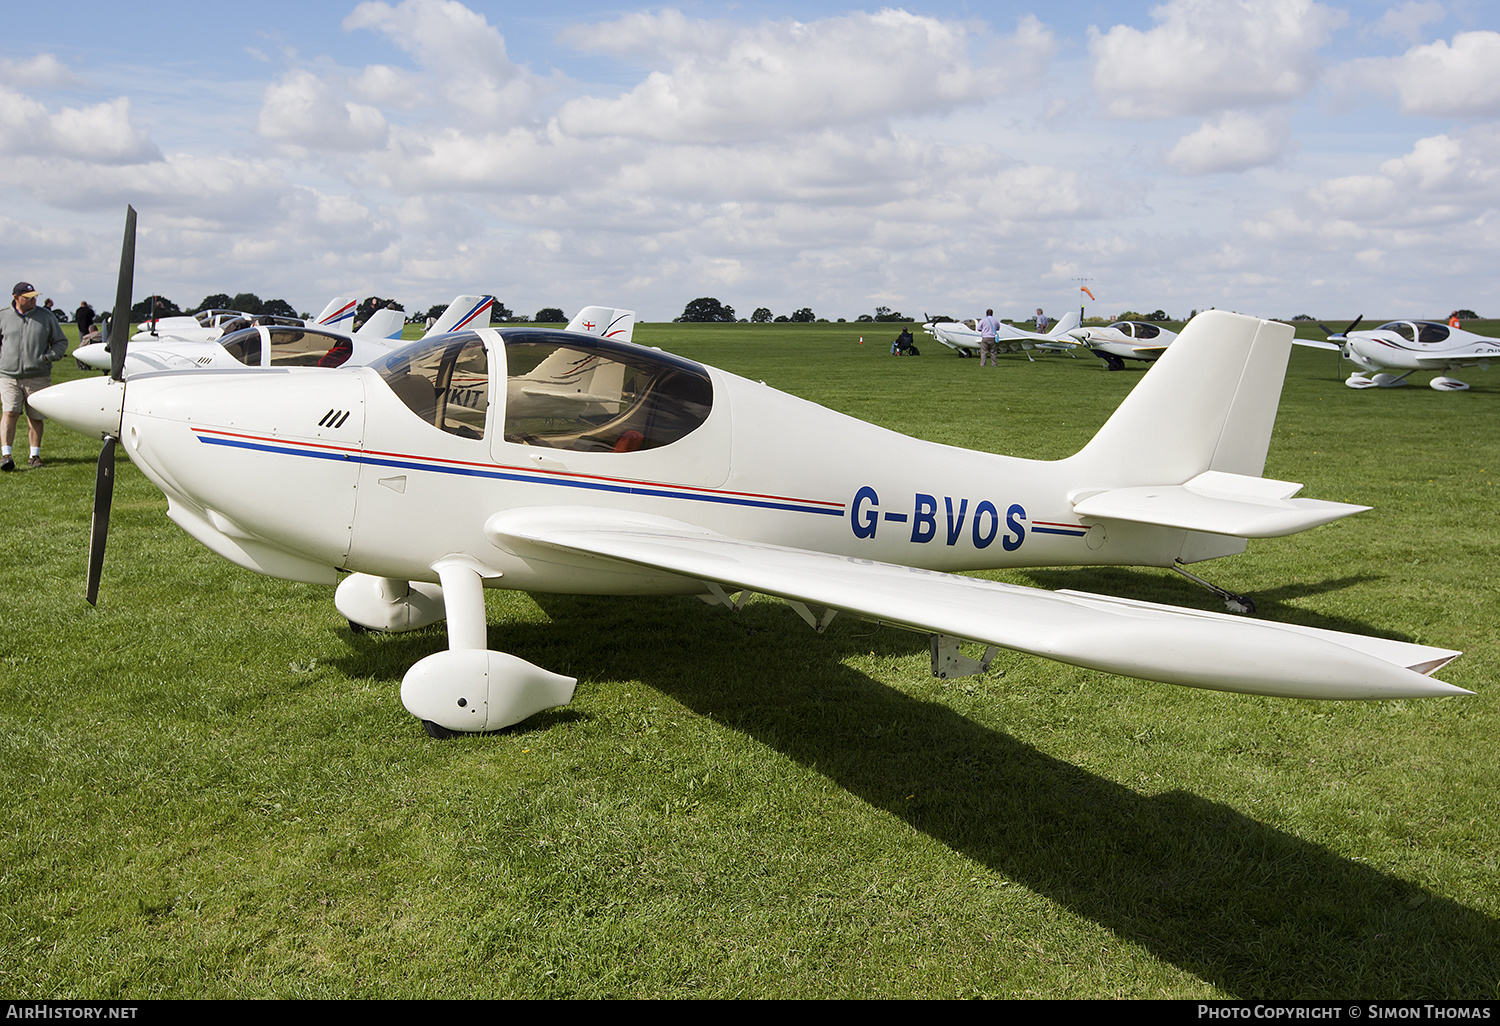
(1276, 157)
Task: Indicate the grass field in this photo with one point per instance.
(214, 790)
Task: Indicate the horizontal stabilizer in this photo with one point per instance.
(1143, 640)
(1217, 503)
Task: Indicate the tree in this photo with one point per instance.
(144, 310)
(369, 305)
(500, 313)
(435, 311)
(707, 309)
(246, 302)
(217, 301)
(278, 308)
(1466, 315)
(1156, 315)
(550, 315)
(804, 316)
(760, 316)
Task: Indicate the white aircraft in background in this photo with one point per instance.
(1406, 347)
(1125, 340)
(264, 345)
(461, 462)
(288, 346)
(207, 325)
(965, 339)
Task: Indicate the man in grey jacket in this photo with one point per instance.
(31, 341)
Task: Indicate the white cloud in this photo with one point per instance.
(462, 54)
(305, 110)
(775, 78)
(1205, 56)
(44, 71)
(1232, 141)
(1461, 79)
(1405, 22)
(102, 133)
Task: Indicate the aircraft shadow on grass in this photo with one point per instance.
(1253, 910)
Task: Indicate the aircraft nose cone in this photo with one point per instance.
(95, 354)
(90, 406)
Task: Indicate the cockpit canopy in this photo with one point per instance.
(289, 347)
(562, 391)
(1426, 332)
(1136, 329)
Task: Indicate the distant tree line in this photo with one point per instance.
(707, 309)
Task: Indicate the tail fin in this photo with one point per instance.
(605, 321)
(383, 324)
(339, 313)
(1187, 447)
(1069, 321)
(1208, 403)
(463, 312)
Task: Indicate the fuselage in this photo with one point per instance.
(1128, 340)
(1418, 345)
(386, 469)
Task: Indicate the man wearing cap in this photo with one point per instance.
(31, 341)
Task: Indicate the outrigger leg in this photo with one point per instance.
(1232, 602)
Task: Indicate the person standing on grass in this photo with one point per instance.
(988, 328)
(31, 341)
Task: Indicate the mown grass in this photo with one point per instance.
(214, 791)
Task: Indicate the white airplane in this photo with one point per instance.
(1125, 340)
(461, 462)
(262, 345)
(965, 340)
(207, 325)
(1407, 347)
(329, 344)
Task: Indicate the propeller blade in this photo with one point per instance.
(119, 325)
(104, 494)
(1354, 324)
(104, 476)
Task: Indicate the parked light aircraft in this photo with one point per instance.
(327, 345)
(1125, 340)
(287, 346)
(1395, 351)
(548, 461)
(207, 325)
(965, 340)
(262, 345)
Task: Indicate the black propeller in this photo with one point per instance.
(1341, 334)
(104, 476)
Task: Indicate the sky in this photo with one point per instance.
(1276, 157)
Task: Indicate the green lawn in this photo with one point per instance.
(214, 789)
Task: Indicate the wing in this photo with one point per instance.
(1134, 639)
